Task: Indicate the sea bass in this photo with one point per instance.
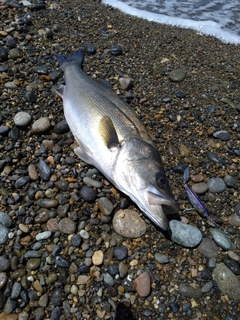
(112, 139)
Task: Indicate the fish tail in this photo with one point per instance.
(76, 57)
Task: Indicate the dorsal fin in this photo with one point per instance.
(108, 133)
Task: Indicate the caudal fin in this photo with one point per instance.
(76, 57)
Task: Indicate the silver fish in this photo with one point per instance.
(112, 138)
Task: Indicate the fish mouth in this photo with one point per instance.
(161, 205)
(161, 198)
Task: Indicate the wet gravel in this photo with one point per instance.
(62, 256)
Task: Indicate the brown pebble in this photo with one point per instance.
(6, 316)
(142, 284)
(184, 151)
(52, 225)
(197, 177)
(32, 171)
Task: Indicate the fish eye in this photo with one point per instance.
(161, 180)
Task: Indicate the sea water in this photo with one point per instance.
(218, 18)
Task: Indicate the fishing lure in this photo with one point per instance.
(194, 199)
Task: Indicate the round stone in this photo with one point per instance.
(105, 206)
(121, 252)
(200, 188)
(67, 226)
(88, 194)
(129, 224)
(177, 75)
(216, 185)
(22, 119)
(208, 248)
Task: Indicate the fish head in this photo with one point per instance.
(146, 183)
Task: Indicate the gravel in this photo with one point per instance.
(62, 254)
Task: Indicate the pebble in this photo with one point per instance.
(227, 281)
(32, 171)
(105, 206)
(208, 248)
(230, 181)
(47, 203)
(3, 235)
(200, 188)
(44, 170)
(4, 264)
(16, 290)
(188, 291)
(60, 262)
(126, 83)
(142, 284)
(129, 224)
(84, 234)
(207, 287)
(61, 127)
(116, 50)
(30, 96)
(3, 279)
(22, 119)
(232, 265)
(5, 219)
(67, 226)
(43, 235)
(214, 158)
(88, 194)
(184, 234)
(121, 252)
(234, 220)
(33, 264)
(97, 258)
(222, 239)
(177, 75)
(161, 258)
(222, 135)
(41, 125)
(3, 54)
(92, 182)
(216, 185)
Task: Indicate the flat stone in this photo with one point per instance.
(67, 226)
(189, 292)
(208, 248)
(216, 185)
(222, 239)
(200, 188)
(184, 234)
(142, 284)
(129, 224)
(105, 206)
(177, 75)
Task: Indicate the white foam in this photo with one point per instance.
(205, 26)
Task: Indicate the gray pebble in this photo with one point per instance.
(177, 75)
(216, 185)
(121, 252)
(3, 54)
(10, 305)
(30, 96)
(222, 134)
(227, 281)
(56, 313)
(3, 235)
(15, 53)
(4, 130)
(21, 182)
(41, 69)
(32, 254)
(126, 83)
(16, 290)
(237, 209)
(208, 248)
(207, 287)
(41, 125)
(84, 234)
(222, 239)
(214, 158)
(161, 258)
(61, 127)
(116, 50)
(44, 170)
(232, 265)
(62, 185)
(92, 182)
(43, 235)
(5, 219)
(4, 264)
(67, 226)
(88, 194)
(60, 262)
(184, 234)
(189, 292)
(105, 206)
(22, 119)
(108, 280)
(230, 181)
(212, 263)
(47, 203)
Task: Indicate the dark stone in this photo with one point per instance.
(232, 265)
(30, 96)
(61, 127)
(90, 48)
(57, 297)
(3, 54)
(120, 252)
(56, 313)
(44, 170)
(116, 50)
(88, 194)
(76, 240)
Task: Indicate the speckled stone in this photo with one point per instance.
(67, 226)
(208, 248)
(184, 234)
(97, 258)
(129, 224)
(41, 125)
(177, 75)
(227, 281)
(22, 119)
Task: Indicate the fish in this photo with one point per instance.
(111, 137)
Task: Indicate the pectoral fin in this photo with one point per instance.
(108, 133)
(83, 152)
